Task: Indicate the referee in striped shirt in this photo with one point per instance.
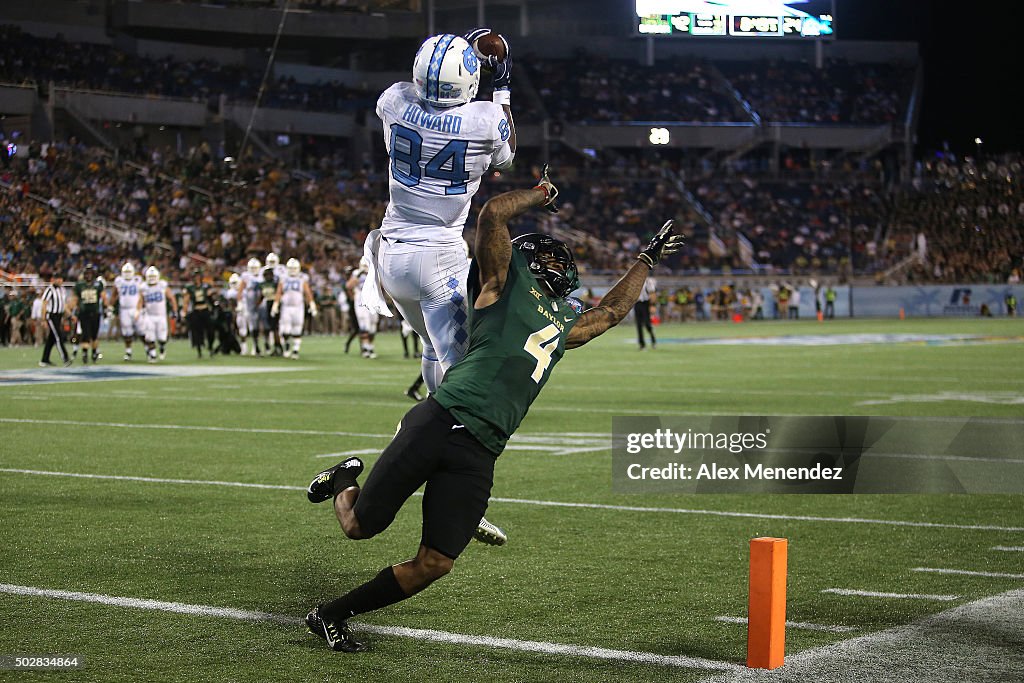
(54, 299)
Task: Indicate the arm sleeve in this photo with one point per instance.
(503, 155)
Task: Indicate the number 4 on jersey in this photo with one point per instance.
(541, 344)
(452, 154)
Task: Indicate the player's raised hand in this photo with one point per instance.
(549, 189)
(662, 244)
(494, 54)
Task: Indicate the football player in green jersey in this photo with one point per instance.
(522, 322)
(89, 300)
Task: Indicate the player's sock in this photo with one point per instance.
(296, 344)
(432, 372)
(380, 591)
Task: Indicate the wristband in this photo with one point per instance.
(502, 96)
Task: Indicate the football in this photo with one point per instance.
(490, 44)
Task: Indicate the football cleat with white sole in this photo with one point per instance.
(338, 635)
(322, 486)
(489, 533)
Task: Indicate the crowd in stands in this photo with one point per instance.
(839, 92)
(585, 88)
(594, 88)
(964, 220)
(64, 204)
(30, 59)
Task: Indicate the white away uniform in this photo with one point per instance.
(367, 318)
(154, 298)
(438, 156)
(293, 299)
(248, 318)
(128, 303)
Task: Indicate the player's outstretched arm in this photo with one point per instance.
(616, 304)
(493, 250)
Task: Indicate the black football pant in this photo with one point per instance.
(54, 337)
(642, 313)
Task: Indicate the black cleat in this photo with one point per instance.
(413, 394)
(338, 635)
(322, 486)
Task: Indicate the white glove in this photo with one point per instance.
(312, 308)
(275, 309)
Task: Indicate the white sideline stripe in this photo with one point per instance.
(794, 624)
(398, 631)
(345, 454)
(557, 445)
(154, 480)
(1009, 548)
(896, 596)
(565, 444)
(552, 503)
(966, 572)
(198, 428)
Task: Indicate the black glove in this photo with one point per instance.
(549, 189)
(662, 244)
(502, 69)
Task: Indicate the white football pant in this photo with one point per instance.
(428, 285)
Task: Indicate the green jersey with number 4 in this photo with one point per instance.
(513, 345)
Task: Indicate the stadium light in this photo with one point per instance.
(659, 136)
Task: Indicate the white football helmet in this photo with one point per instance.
(253, 266)
(152, 275)
(128, 271)
(273, 260)
(293, 266)
(446, 71)
(234, 279)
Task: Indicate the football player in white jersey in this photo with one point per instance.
(154, 298)
(440, 143)
(293, 295)
(367, 318)
(247, 309)
(126, 295)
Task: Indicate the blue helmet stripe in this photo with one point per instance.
(434, 71)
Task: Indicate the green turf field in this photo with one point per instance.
(643, 581)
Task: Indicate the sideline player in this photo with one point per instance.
(292, 292)
(126, 296)
(87, 297)
(153, 301)
(198, 314)
(522, 324)
(268, 321)
(440, 143)
(277, 271)
(247, 309)
(367, 319)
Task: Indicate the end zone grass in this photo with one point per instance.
(647, 581)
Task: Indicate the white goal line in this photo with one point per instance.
(549, 503)
(394, 631)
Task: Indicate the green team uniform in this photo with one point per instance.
(514, 343)
(89, 295)
(199, 297)
(268, 290)
(200, 317)
(450, 441)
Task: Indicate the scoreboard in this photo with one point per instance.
(736, 18)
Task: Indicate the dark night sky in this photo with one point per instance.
(971, 74)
